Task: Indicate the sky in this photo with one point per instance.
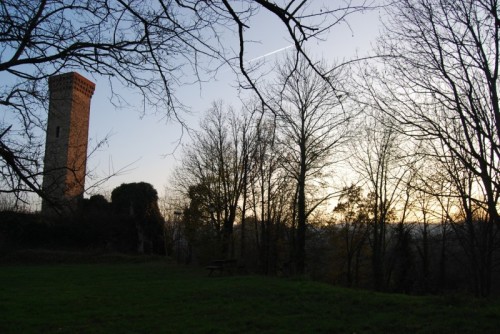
(147, 148)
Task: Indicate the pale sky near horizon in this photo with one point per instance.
(147, 142)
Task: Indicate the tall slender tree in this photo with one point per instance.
(311, 125)
(383, 162)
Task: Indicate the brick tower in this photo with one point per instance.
(67, 137)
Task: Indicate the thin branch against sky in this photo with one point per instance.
(152, 138)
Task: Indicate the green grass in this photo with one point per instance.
(160, 298)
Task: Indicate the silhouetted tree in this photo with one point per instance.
(353, 213)
(215, 161)
(440, 81)
(97, 203)
(139, 203)
(310, 126)
(271, 193)
(383, 161)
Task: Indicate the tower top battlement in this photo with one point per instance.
(72, 81)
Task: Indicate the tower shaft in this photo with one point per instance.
(67, 138)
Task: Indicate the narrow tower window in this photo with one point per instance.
(58, 131)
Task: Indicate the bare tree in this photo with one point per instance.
(469, 220)
(214, 162)
(232, 170)
(151, 46)
(353, 219)
(440, 81)
(383, 162)
(311, 125)
(425, 208)
(272, 193)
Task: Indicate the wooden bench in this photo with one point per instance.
(222, 266)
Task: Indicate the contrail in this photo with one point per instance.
(269, 54)
(263, 56)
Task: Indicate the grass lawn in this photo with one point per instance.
(160, 298)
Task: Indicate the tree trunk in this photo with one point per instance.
(301, 216)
